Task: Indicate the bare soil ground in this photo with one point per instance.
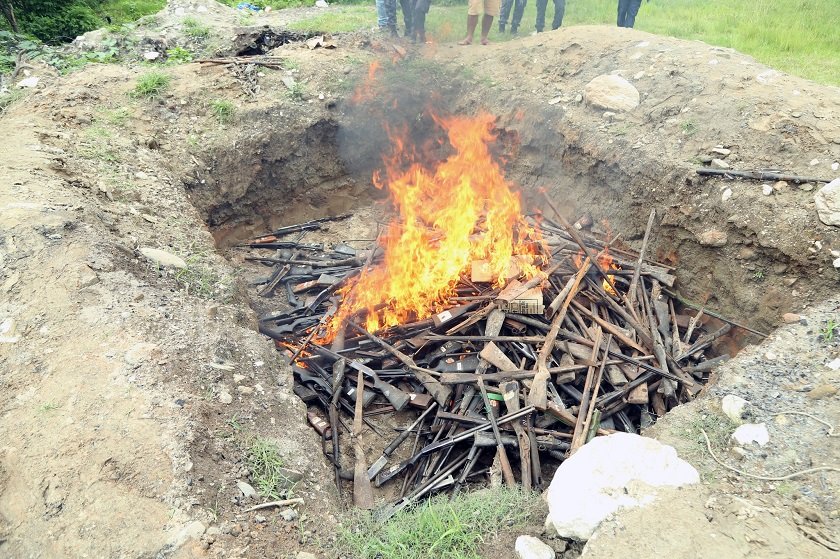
(117, 440)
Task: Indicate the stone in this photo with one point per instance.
(836, 262)
(151, 55)
(305, 555)
(245, 390)
(247, 490)
(529, 547)
(779, 185)
(611, 93)
(225, 397)
(727, 194)
(721, 151)
(822, 391)
(835, 166)
(8, 331)
(827, 200)
(735, 408)
(719, 164)
(791, 318)
(712, 238)
(238, 378)
(751, 433)
(834, 365)
(612, 472)
(260, 519)
(29, 82)
(163, 258)
(289, 514)
(193, 530)
(766, 189)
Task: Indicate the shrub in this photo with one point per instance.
(152, 84)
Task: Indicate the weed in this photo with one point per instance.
(758, 276)
(152, 84)
(48, 406)
(689, 128)
(117, 117)
(786, 489)
(830, 330)
(717, 426)
(439, 528)
(178, 55)
(9, 99)
(199, 279)
(223, 110)
(195, 29)
(266, 466)
(297, 92)
(234, 424)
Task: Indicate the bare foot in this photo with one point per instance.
(467, 41)
(485, 41)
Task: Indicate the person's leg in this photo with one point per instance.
(407, 7)
(559, 11)
(419, 20)
(381, 14)
(632, 10)
(486, 24)
(504, 13)
(518, 10)
(622, 9)
(540, 23)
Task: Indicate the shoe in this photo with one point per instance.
(514, 31)
(501, 28)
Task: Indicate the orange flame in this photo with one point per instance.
(460, 211)
(606, 262)
(366, 90)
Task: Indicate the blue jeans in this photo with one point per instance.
(627, 10)
(518, 9)
(386, 13)
(559, 12)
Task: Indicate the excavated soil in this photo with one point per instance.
(131, 391)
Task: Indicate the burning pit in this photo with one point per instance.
(475, 338)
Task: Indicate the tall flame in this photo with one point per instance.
(460, 211)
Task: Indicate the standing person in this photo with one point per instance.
(488, 9)
(407, 7)
(386, 15)
(518, 9)
(559, 12)
(418, 27)
(627, 10)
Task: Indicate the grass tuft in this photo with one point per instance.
(266, 466)
(152, 84)
(223, 110)
(195, 29)
(439, 528)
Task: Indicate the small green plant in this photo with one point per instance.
(195, 29)
(440, 527)
(223, 110)
(48, 406)
(234, 423)
(178, 55)
(266, 466)
(117, 117)
(689, 128)
(8, 99)
(758, 276)
(297, 92)
(830, 330)
(200, 279)
(152, 84)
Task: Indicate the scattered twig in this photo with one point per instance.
(280, 503)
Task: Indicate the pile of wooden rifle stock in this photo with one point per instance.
(507, 381)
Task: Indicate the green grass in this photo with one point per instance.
(200, 278)
(223, 110)
(439, 528)
(829, 331)
(124, 11)
(797, 36)
(152, 84)
(9, 99)
(195, 29)
(263, 459)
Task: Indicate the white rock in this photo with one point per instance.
(180, 11)
(225, 397)
(321, 4)
(7, 331)
(247, 490)
(719, 164)
(192, 530)
(836, 263)
(611, 93)
(814, 162)
(827, 200)
(834, 365)
(727, 194)
(28, 82)
(163, 258)
(529, 547)
(752, 433)
(766, 189)
(835, 166)
(619, 470)
(734, 407)
(721, 151)
(201, 9)
(151, 55)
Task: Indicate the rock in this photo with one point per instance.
(712, 238)
(766, 189)
(834, 365)
(608, 473)
(245, 390)
(260, 519)
(735, 408)
(163, 258)
(225, 397)
(611, 93)
(806, 187)
(151, 55)
(814, 162)
(29, 82)
(529, 547)
(247, 490)
(7, 331)
(791, 318)
(289, 514)
(719, 164)
(193, 530)
(721, 151)
(836, 263)
(779, 185)
(827, 200)
(238, 378)
(835, 166)
(738, 453)
(822, 391)
(727, 194)
(752, 433)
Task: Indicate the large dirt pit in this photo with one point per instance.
(131, 391)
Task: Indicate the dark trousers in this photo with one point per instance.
(518, 9)
(627, 10)
(559, 11)
(418, 26)
(407, 7)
